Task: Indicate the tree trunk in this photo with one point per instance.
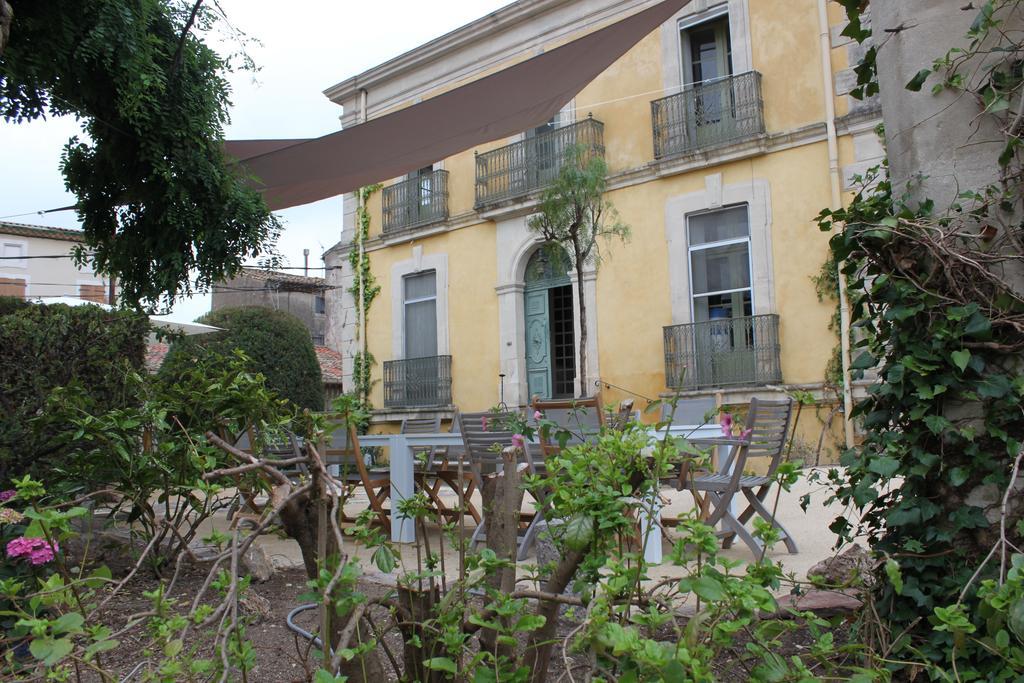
(538, 649)
(502, 498)
(582, 371)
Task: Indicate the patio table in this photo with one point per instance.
(400, 453)
(695, 434)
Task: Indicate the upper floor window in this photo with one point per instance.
(13, 254)
(420, 304)
(719, 245)
(318, 339)
(95, 293)
(319, 304)
(12, 286)
(707, 51)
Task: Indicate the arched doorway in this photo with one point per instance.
(550, 334)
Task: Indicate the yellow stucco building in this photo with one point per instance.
(725, 132)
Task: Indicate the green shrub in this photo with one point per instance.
(276, 343)
(45, 347)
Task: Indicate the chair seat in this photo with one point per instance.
(720, 482)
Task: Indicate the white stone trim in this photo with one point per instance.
(694, 13)
(515, 245)
(418, 264)
(757, 196)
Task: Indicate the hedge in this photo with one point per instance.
(47, 346)
(277, 344)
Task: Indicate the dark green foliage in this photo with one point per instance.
(45, 347)
(277, 344)
(946, 420)
(156, 196)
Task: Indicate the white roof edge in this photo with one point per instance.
(486, 27)
(475, 30)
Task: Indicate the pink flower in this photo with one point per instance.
(483, 423)
(726, 422)
(745, 434)
(36, 550)
(537, 415)
(519, 441)
(7, 495)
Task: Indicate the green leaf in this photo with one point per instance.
(1015, 619)
(864, 361)
(530, 622)
(918, 80)
(101, 646)
(441, 664)
(892, 570)
(884, 466)
(579, 531)
(709, 589)
(322, 676)
(384, 558)
(68, 623)
(50, 651)
(961, 358)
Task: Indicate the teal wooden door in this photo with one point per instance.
(538, 344)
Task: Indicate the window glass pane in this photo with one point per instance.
(722, 306)
(718, 225)
(421, 329)
(720, 268)
(420, 286)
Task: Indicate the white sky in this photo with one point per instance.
(307, 46)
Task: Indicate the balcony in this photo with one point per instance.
(523, 167)
(418, 201)
(708, 114)
(418, 382)
(722, 353)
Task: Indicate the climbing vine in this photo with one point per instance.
(937, 294)
(364, 290)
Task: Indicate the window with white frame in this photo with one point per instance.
(420, 314)
(719, 254)
(706, 50)
(13, 254)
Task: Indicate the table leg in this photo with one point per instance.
(403, 529)
(650, 530)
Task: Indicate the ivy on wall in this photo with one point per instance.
(936, 294)
(364, 290)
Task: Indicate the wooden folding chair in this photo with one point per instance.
(247, 504)
(768, 422)
(484, 435)
(346, 463)
(583, 418)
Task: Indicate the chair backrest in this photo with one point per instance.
(690, 411)
(421, 425)
(582, 417)
(480, 432)
(340, 450)
(769, 425)
(620, 418)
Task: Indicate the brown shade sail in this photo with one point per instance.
(295, 172)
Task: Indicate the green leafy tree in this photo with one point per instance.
(161, 206)
(276, 343)
(574, 215)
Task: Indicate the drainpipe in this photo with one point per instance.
(836, 203)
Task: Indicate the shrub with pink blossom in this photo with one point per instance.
(7, 495)
(36, 550)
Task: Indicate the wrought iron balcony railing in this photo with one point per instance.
(531, 164)
(418, 382)
(421, 200)
(724, 352)
(707, 114)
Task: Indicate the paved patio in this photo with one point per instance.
(809, 529)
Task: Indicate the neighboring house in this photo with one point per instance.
(331, 370)
(36, 263)
(725, 132)
(300, 295)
